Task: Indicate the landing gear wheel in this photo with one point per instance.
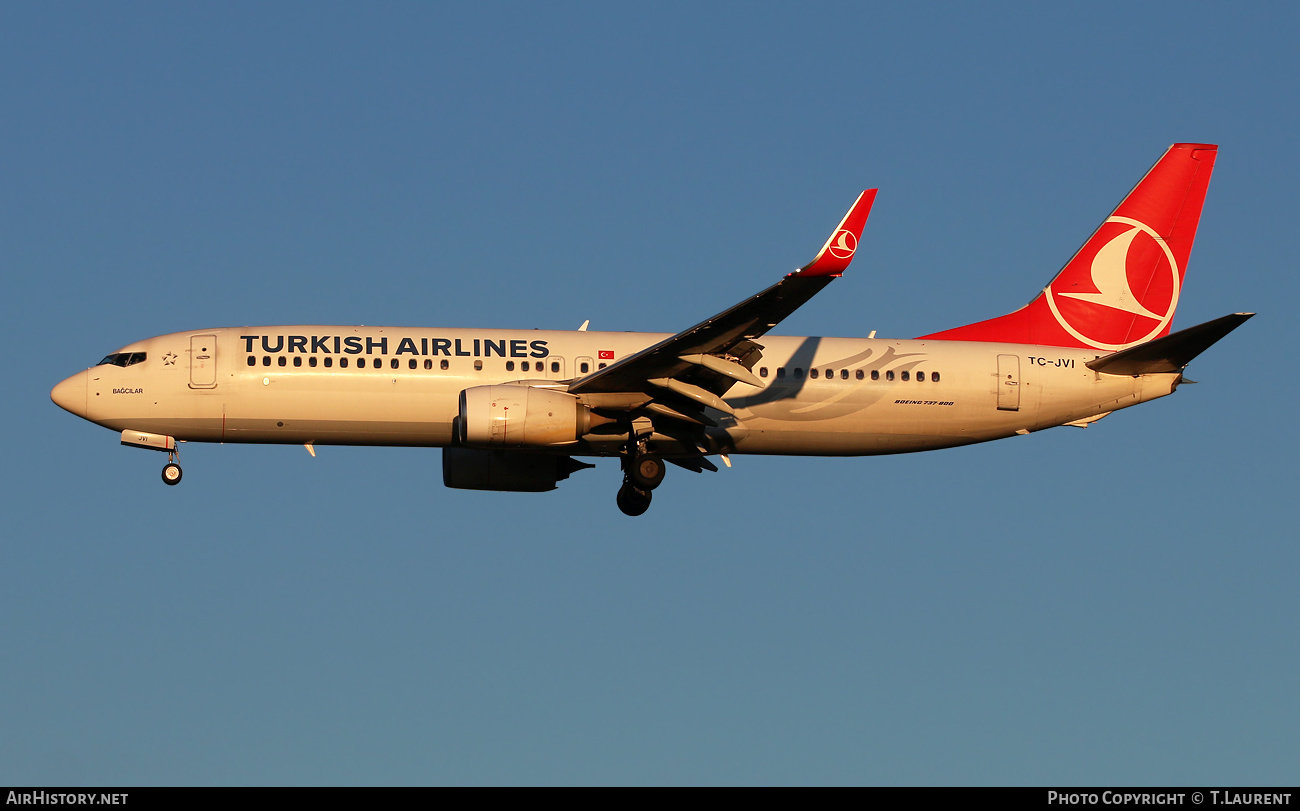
(171, 474)
(646, 471)
(632, 500)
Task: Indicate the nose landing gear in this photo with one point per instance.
(171, 472)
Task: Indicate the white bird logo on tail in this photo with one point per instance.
(1109, 272)
(1110, 275)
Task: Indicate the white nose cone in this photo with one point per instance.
(70, 395)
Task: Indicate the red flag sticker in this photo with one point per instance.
(606, 354)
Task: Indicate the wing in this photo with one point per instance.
(695, 367)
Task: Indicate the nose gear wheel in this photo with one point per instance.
(171, 472)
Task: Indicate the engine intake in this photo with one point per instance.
(520, 417)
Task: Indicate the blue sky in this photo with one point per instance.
(1109, 606)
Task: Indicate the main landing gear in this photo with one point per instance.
(642, 473)
(632, 500)
(171, 472)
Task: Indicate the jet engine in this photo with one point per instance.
(470, 469)
(520, 417)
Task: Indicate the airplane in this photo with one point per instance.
(519, 410)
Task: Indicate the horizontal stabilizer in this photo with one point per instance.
(1170, 353)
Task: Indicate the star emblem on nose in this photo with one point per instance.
(169, 359)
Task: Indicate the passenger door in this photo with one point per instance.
(203, 361)
(1008, 383)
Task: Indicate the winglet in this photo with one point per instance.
(837, 253)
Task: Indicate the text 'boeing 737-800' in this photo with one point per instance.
(517, 410)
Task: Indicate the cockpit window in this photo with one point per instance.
(122, 359)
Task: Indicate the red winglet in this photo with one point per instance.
(837, 253)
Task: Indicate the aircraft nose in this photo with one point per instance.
(70, 395)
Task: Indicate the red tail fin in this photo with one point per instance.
(1122, 287)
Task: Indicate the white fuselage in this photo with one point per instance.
(400, 386)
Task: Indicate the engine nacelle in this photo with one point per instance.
(470, 469)
(520, 417)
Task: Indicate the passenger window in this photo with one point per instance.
(889, 375)
(393, 364)
(312, 361)
(555, 366)
(297, 360)
(252, 361)
(266, 360)
(428, 364)
(523, 366)
(934, 377)
(762, 371)
(920, 376)
(875, 374)
(905, 375)
(602, 366)
(343, 363)
(510, 366)
(812, 373)
(584, 367)
(780, 372)
(328, 361)
(445, 365)
(844, 374)
(411, 365)
(281, 361)
(478, 365)
(859, 374)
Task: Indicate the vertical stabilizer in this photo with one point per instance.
(1122, 287)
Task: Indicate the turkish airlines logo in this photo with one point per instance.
(843, 244)
(1098, 324)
